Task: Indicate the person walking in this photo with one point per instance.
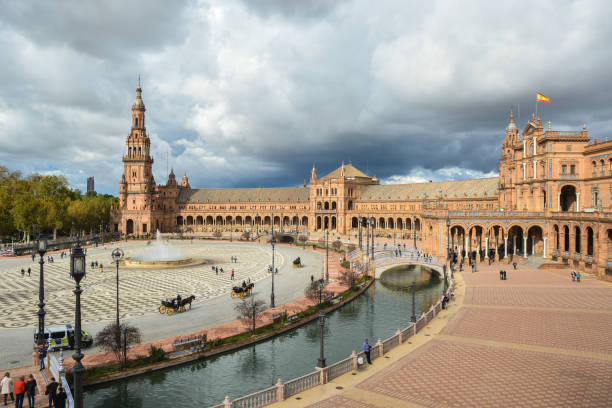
(573, 276)
(30, 386)
(6, 387)
(60, 398)
(578, 275)
(232, 274)
(22, 273)
(42, 354)
(52, 391)
(19, 389)
(29, 272)
(366, 350)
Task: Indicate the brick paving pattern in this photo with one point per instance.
(571, 297)
(572, 330)
(449, 374)
(339, 401)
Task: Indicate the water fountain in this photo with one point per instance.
(160, 255)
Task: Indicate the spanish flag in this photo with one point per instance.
(542, 98)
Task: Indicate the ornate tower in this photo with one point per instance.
(137, 183)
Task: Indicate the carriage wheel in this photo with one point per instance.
(182, 309)
(162, 309)
(170, 311)
(241, 295)
(233, 294)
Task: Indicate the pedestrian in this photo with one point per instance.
(60, 398)
(42, 354)
(30, 386)
(578, 274)
(6, 387)
(505, 276)
(33, 256)
(22, 273)
(29, 272)
(52, 392)
(19, 389)
(573, 276)
(514, 265)
(232, 274)
(501, 275)
(366, 350)
(311, 279)
(216, 270)
(473, 267)
(443, 301)
(101, 268)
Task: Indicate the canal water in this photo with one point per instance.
(377, 313)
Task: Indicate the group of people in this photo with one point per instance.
(234, 259)
(18, 390)
(502, 275)
(576, 276)
(270, 270)
(23, 272)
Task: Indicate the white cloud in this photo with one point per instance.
(421, 175)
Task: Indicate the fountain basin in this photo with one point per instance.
(179, 263)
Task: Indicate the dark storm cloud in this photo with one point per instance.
(249, 93)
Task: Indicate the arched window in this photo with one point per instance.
(594, 168)
(531, 149)
(135, 122)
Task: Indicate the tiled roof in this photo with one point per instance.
(477, 188)
(243, 195)
(349, 171)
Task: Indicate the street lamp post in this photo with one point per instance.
(448, 254)
(272, 241)
(326, 256)
(321, 362)
(414, 230)
(413, 290)
(117, 257)
(373, 225)
(42, 249)
(124, 346)
(368, 237)
(77, 272)
(360, 239)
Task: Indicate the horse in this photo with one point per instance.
(187, 301)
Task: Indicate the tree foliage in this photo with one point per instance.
(111, 338)
(316, 291)
(337, 244)
(250, 311)
(37, 203)
(347, 277)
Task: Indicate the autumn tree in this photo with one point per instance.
(112, 337)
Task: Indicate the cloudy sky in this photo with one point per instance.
(249, 93)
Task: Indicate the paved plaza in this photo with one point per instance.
(535, 340)
(141, 291)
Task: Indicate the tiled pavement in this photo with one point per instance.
(535, 340)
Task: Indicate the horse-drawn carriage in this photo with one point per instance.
(242, 291)
(297, 262)
(175, 305)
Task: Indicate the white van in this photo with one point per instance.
(62, 337)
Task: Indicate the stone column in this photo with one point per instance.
(535, 168)
(544, 248)
(496, 254)
(532, 244)
(559, 201)
(465, 241)
(524, 148)
(505, 247)
(487, 248)
(524, 171)
(280, 390)
(525, 246)
(577, 202)
(514, 247)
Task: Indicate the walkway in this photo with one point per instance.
(536, 339)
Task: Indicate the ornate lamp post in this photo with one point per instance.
(414, 230)
(372, 234)
(321, 362)
(368, 236)
(272, 241)
(448, 253)
(413, 290)
(42, 249)
(77, 272)
(360, 239)
(117, 255)
(326, 256)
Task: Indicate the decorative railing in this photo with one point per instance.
(555, 252)
(608, 264)
(353, 255)
(566, 254)
(300, 384)
(339, 368)
(390, 343)
(69, 398)
(577, 256)
(589, 259)
(257, 399)
(282, 391)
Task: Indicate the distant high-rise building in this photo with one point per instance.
(90, 184)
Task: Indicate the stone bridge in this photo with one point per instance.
(389, 263)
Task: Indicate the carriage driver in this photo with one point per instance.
(177, 302)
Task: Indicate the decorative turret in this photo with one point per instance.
(342, 170)
(171, 179)
(185, 181)
(511, 125)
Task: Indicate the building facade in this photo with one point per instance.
(552, 199)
